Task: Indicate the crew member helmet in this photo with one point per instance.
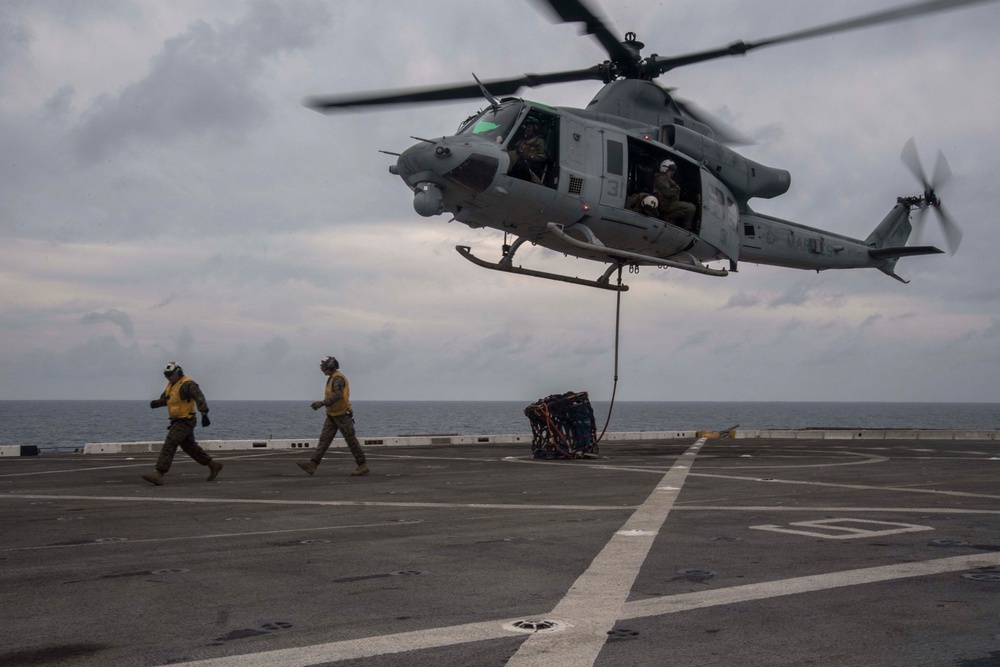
(329, 364)
(172, 367)
(650, 202)
(667, 165)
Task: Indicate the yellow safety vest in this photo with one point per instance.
(177, 408)
(344, 404)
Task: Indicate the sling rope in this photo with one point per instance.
(614, 388)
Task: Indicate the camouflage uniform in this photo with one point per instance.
(180, 433)
(342, 422)
(672, 209)
(528, 159)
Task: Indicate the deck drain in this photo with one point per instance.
(366, 577)
(947, 543)
(990, 574)
(276, 625)
(694, 575)
(535, 626)
(246, 633)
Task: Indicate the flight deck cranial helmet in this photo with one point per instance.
(667, 165)
(649, 203)
(329, 364)
(171, 368)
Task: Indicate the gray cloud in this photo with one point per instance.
(202, 82)
(247, 237)
(116, 317)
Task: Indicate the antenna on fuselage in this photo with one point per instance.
(489, 98)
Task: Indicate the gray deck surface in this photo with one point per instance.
(717, 552)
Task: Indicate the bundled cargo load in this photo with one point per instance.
(562, 426)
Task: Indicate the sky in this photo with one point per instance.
(165, 196)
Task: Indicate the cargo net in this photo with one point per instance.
(562, 426)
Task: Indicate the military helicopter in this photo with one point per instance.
(574, 180)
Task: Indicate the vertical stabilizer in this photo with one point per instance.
(894, 229)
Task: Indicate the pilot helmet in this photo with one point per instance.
(667, 165)
(171, 367)
(650, 202)
(329, 364)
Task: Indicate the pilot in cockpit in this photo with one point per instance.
(529, 157)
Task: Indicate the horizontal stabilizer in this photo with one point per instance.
(903, 251)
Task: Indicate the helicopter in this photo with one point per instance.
(583, 182)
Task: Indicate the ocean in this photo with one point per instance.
(66, 426)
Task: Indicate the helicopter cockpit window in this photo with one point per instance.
(534, 149)
(493, 124)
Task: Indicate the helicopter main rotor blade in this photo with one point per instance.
(665, 64)
(460, 91)
(575, 11)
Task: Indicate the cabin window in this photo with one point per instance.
(616, 158)
(732, 212)
(715, 204)
(493, 124)
(475, 173)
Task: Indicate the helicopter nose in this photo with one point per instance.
(472, 165)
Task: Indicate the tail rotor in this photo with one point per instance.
(942, 174)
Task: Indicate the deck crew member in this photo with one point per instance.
(339, 416)
(181, 397)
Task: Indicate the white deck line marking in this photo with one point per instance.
(818, 582)
(863, 487)
(215, 536)
(941, 511)
(367, 647)
(330, 503)
(364, 647)
(594, 603)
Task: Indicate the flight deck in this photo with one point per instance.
(672, 551)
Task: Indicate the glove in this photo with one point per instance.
(317, 405)
(205, 421)
(152, 404)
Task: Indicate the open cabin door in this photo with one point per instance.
(720, 217)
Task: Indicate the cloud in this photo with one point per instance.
(743, 300)
(201, 83)
(115, 317)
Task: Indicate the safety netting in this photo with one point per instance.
(562, 426)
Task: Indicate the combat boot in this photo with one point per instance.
(214, 467)
(308, 466)
(156, 478)
(362, 469)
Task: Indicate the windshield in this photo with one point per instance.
(493, 125)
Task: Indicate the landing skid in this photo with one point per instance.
(602, 283)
